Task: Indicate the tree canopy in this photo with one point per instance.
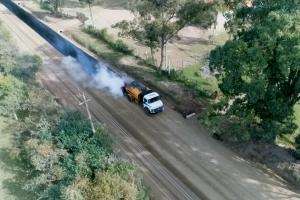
(259, 68)
(157, 22)
(55, 152)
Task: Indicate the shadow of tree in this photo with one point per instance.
(185, 40)
(115, 56)
(73, 4)
(117, 4)
(41, 14)
(273, 158)
(20, 172)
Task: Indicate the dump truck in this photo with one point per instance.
(140, 94)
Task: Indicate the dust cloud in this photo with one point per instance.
(103, 78)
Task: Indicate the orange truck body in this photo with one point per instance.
(134, 94)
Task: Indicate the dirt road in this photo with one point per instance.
(177, 157)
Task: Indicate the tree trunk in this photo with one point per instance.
(56, 5)
(211, 37)
(162, 56)
(152, 56)
(16, 116)
(91, 14)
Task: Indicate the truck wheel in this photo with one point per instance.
(128, 97)
(147, 111)
(124, 91)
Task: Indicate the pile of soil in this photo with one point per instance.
(188, 107)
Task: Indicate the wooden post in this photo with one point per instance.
(85, 102)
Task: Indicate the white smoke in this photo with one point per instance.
(75, 70)
(103, 79)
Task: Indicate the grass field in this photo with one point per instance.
(193, 72)
(113, 4)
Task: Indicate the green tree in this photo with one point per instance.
(7, 56)
(52, 5)
(105, 186)
(56, 150)
(13, 95)
(259, 67)
(66, 160)
(143, 32)
(56, 5)
(157, 22)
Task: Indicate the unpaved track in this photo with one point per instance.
(177, 158)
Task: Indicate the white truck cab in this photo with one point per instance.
(152, 103)
(145, 97)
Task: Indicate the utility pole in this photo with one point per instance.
(85, 102)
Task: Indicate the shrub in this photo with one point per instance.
(13, 95)
(193, 85)
(112, 186)
(297, 145)
(102, 35)
(54, 147)
(106, 185)
(59, 156)
(46, 6)
(120, 46)
(74, 134)
(26, 68)
(78, 190)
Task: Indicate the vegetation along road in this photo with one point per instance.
(177, 157)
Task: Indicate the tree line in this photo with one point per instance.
(55, 151)
(259, 68)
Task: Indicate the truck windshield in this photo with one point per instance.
(154, 99)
